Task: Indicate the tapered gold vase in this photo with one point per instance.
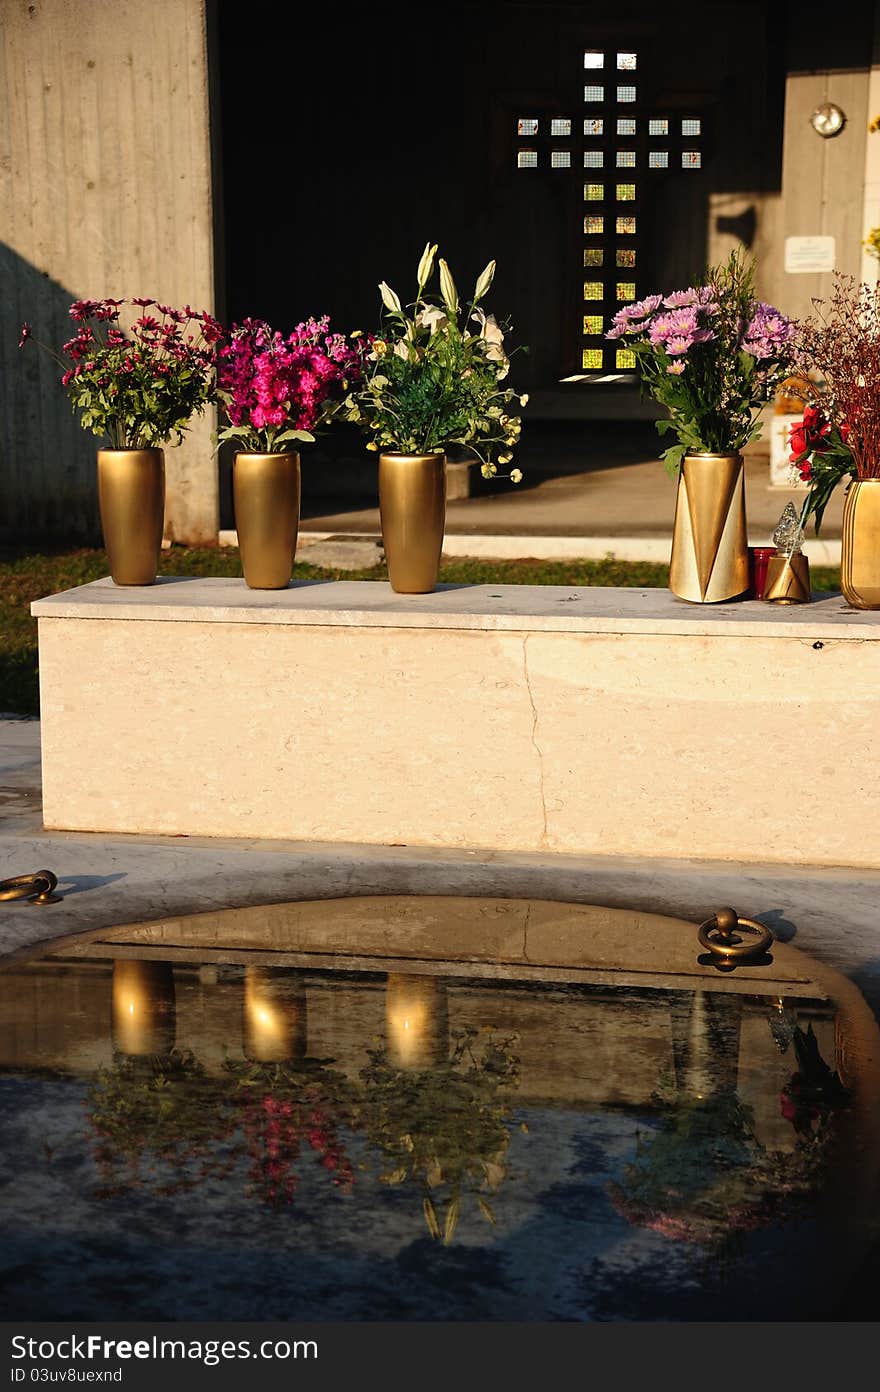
(412, 506)
(266, 492)
(860, 545)
(131, 497)
(710, 556)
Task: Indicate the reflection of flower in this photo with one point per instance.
(814, 1091)
(166, 1124)
(445, 1129)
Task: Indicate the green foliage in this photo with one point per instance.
(434, 376)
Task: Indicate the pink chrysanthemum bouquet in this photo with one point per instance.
(712, 355)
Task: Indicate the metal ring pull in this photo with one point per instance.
(720, 935)
(38, 888)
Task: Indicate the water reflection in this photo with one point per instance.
(559, 1139)
(274, 1015)
(143, 1006)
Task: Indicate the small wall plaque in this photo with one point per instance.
(809, 254)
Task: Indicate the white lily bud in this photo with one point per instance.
(447, 286)
(485, 281)
(389, 299)
(426, 265)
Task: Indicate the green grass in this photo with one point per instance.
(25, 577)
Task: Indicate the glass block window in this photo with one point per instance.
(594, 226)
(626, 94)
(593, 290)
(626, 226)
(691, 159)
(526, 126)
(626, 193)
(526, 159)
(624, 357)
(593, 126)
(592, 358)
(626, 256)
(626, 159)
(626, 290)
(593, 159)
(560, 159)
(560, 126)
(593, 256)
(593, 323)
(626, 62)
(658, 127)
(594, 94)
(691, 127)
(592, 59)
(658, 159)
(626, 125)
(594, 193)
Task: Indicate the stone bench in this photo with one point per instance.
(525, 718)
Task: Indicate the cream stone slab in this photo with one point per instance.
(588, 722)
(515, 608)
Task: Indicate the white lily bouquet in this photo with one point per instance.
(433, 375)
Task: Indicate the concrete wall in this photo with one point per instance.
(105, 189)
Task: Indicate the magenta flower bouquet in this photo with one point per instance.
(712, 355)
(278, 390)
(137, 383)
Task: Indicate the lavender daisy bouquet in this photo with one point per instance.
(712, 355)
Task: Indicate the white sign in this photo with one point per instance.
(809, 254)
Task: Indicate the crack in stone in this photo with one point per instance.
(525, 947)
(535, 745)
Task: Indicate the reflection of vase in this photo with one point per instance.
(412, 508)
(705, 1042)
(266, 493)
(416, 1020)
(710, 558)
(274, 1015)
(860, 545)
(131, 498)
(143, 1007)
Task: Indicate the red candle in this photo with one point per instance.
(758, 559)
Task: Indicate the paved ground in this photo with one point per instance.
(108, 880)
(581, 479)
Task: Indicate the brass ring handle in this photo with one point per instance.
(720, 936)
(39, 888)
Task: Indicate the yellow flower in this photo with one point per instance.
(504, 458)
(516, 475)
(524, 399)
(371, 445)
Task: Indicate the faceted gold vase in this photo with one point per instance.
(860, 545)
(710, 557)
(412, 506)
(131, 497)
(788, 580)
(266, 493)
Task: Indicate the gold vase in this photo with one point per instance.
(860, 546)
(788, 579)
(412, 507)
(131, 497)
(266, 490)
(710, 556)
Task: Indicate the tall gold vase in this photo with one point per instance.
(131, 497)
(710, 557)
(266, 492)
(860, 545)
(412, 506)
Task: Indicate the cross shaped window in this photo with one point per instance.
(621, 146)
